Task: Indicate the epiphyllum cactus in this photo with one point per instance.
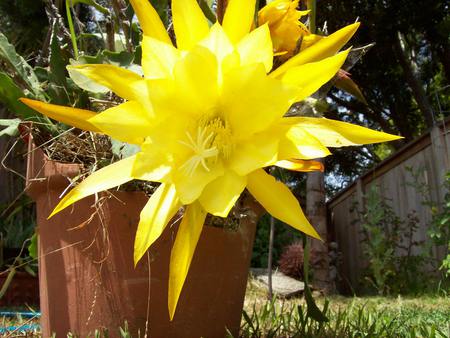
(208, 117)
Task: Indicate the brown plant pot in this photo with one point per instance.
(86, 273)
(23, 290)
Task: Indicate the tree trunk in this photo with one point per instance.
(317, 215)
(412, 80)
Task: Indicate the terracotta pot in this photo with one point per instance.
(23, 290)
(87, 278)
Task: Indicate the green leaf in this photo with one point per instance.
(30, 270)
(19, 66)
(83, 81)
(9, 96)
(138, 55)
(122, 58)
(57, 72)
(42, 74)
(32, 248)
(93, 4)
(88, 59)
(312, 309)
(11, 125)
(122, 149)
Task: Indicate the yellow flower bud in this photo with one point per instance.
(284, 23)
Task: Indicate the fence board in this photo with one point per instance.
(428, 155)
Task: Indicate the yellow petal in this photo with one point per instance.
(300, 165)
(262, 100)
(332, 133)
(257, 47)
(155, 215)
(158, 58)
(324, 48)
(161, 93)
(218, 43)
(149, 19)
(189, 23)
(106, 178)
(128, 122)
(220, 195)
(309, 40)
(78, 118)
(196, 81)
(261, 150)
(238, 18)
(190, 186)
(311, 76)
(123, 82)
(151, 164)
(278, 200)
(300, 144)
(183, 251)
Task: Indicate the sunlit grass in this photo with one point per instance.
(422, 316)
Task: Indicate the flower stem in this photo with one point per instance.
(71, 29)
(311, 5)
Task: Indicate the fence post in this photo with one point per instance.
(441, 161)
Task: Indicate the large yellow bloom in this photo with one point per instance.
(208, 119)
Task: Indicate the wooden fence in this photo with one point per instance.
(429, 158)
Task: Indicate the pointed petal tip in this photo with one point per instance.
(352, 27)
(136, 258)
(315, 235)
(386, 137)
(29, 102)
(171, 313)
(395, 137)
(61, 206)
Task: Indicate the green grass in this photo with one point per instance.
(422, 316)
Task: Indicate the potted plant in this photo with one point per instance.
(201, 124)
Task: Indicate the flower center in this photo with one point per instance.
(211, 141)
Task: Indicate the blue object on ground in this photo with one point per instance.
(19, 313)
(19, 328)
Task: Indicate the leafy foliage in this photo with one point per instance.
(389, 244)
(439, 227)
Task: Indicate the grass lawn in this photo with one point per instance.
(423, 316)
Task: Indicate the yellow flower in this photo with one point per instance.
(285, 27)
(208, 117)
